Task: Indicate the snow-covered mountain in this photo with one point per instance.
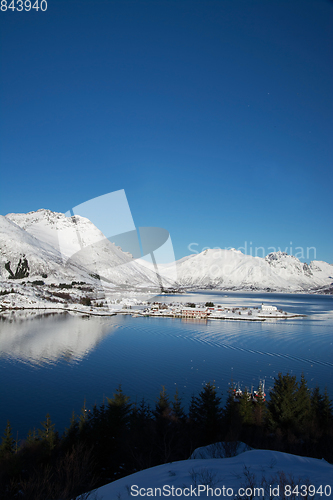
(232, 270)
(42, 259)
(74, 249)
(51, 241)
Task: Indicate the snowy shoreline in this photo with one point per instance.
(47, 299)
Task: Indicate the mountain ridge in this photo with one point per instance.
(74, 248)
(79, 244)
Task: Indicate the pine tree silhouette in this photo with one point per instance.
(206, 413)
(47, 434)
(245, 408)
(289, 405)
(7, 443)
(162, 407)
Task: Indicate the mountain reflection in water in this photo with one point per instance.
(38, 339)
(53, 363)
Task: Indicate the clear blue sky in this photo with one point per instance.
(214, 116)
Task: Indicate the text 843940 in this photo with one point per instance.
(21, 5)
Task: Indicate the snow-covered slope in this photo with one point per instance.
(258, 470)
(42, 258)
(69, 235)
(77, 242)
(231, 269)
(72, 248)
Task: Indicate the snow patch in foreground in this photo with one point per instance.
(227, 478)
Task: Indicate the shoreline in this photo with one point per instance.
(87, 300)
(128, 310)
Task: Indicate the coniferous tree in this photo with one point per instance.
(316, 405)
(163, 430)
(321, 410)
(327, 412)
(140, 416)
(47, 434)
(180, 429)
(140, 411)
(303, 405)
(177, 407)
(118, 409)
(32, 436)
(206, 413)
(71, 433)
(168, 419)
(162, 407)
(289, 405)
(116, 441)
(83, 418)
(245, 408)
(260, 406)
(115, 419)
(7, 442)
(232, 421)
(281, 406)
(94, 417)
(142, 436)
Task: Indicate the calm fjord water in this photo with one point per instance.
(52, 364)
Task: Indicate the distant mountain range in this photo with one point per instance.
(49, 246)
(232, 270)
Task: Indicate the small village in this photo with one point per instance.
(211, 311)
(77, 299)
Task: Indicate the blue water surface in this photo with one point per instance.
(54, 364)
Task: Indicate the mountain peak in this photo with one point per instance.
(50, 240)
(64, 247)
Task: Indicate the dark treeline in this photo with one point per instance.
(121, 437)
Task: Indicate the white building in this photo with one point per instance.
(268, 308)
